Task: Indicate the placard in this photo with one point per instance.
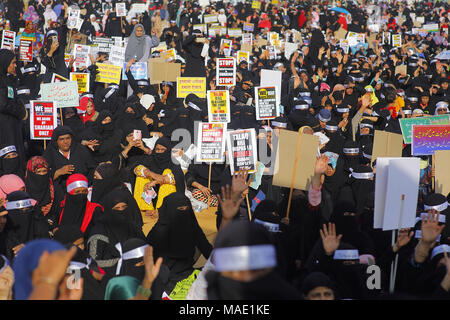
(65, 94)
(81, 56)
(211, 142)
(108, 73)
(43, 119)
(139, 7)
(248, 27)
(407, 123)
(442, 180)
(256, 4)
(286, 157)
(209, 18)
(242, 150)
(243, 56)
(426, 139)
(72, 19)
(397, 40)
(160, 71)
(226, 72)
(8, 40)
(227, 44)
(169, 55)
(270, 78)
(396, 185)
(386, 144)
(401, 69)
(117, 55)
(247, 39)
(266, 103)
(188, 85)
(121, 9)
(82, 80)
(58, 78)
(26, 49)
(234, 32)
(218, 106)
(137, 69)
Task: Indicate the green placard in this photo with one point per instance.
(407, 123)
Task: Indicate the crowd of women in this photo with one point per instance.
(71, 214)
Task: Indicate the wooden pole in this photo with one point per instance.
(248, 208)
(297, 155)
(209, 176)
(45, 144)
(433, 166)
(61, 115)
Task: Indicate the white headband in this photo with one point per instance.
(418, 235)
(368, 156)
(279, 124)
(439, 207)
(77, 184)
(331, 128)
(271, 227)
(351, 150)
(305, 93)
(442, 217)
(343, 110)
(346, 255)
(245, 258)
(142, 83)
(194, 106)
(301, 107)
(132, 254)
(75, 265)
(109, 94)
(440, 249)
(19, 204)
(362, 175)
(323, 119)
(23, 91)
(30, 69)
(7, 150)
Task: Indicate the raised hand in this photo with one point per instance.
(151, 268)
(430, 227)
(229, 206)
(330, 241)
(404, 236)
(239, 183)
(321, 165)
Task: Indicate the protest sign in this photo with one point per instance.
(266, 103)
(397, 40)
(82, 80)
(187, 85)
(407, 123)
(248, 27)
(58, 78)
(81, 56)
(243, 56)
(209, 18)
(214, 31)
(43, 119)
(242, 150)
(218, 106)
(137, 69)
(289, 49)
(271, 78)
(211, 142)
(65, 94)
(117, 55)
(442, 174)
(247, 38)
(159, 71)
(344, 44)
(401, 69)
(73, 17)
(121, 9)
(432, 27)
(8, 40)
(168, 55)
(160, 48)
(226, 44)
(386, 144)
(26, 49)
(139, 7)
(256, 4)
(396, 185)
(201, 27)
(226, 72)
(234, 32)
(426, 139)
(295, 159)
(340, 34)
(108, 73)
(103, 44)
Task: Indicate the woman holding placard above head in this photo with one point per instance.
(139, 44)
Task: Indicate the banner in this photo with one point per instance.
(226, 72)
(218, 106)
(187, 85)
(108, 73)
(211, 142)
(121, 9)
(407, 123)
(82, 80)
(43, 119)
(26, 49)
(266, 103)
(65, 94)
(242, 150)
(426, 139)
(81, 56)
(138, 70)
(8, 40)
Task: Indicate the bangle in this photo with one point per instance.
(144, 291)
(47, 280)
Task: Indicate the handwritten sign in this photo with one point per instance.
(64, 93)
(43, 119)
(187, 85)
(108, 73)
(426, 139)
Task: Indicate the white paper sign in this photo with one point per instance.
(272, 78)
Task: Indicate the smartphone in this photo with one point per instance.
(137, 135)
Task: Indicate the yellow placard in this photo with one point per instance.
(187, 85)
(256, 4)
(82, 80)
(108, 73)
(243, 55)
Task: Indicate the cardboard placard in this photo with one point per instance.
(402, 69)
(218, 106)
(160, 71)
(407, 123)
(246, 47)
(82, 80)
(242, 150)
(188, 85)
(266, 103)
(43, 119)
(340, 34)
(396, 185)
(211, 142)
(65, 94)
(442, 182)
(226, 72)
(426, 139)
(286, 156)
(386, 144)
(261, 42)
(108, 73)
(137, 69)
